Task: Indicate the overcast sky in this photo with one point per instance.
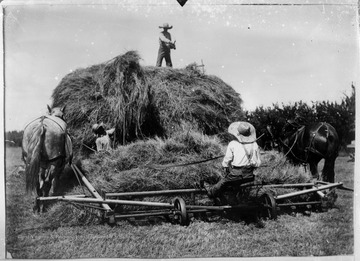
(267, 53)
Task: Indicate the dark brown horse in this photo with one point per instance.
(308, 144)
(46, 148)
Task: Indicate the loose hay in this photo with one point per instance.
(275, 169)
(115, 93)
(138, 167)
(144, 102)
(167, 114)
(67, 214)
(134, 167)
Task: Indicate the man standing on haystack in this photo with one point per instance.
(242, 157)
(165, 46)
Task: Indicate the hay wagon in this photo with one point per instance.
(261, 201)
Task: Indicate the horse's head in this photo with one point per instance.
(57, 111)
(290, 127)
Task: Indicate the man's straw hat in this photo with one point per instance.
(243, 131)
(165, 26)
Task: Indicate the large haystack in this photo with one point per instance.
(144, 101)
(168, 115)
(154, 164)
(161, 164)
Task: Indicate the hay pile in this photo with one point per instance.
(115, 93)
(186, 96)
(146, 165)
(144, 102)
(140, 165)
(276, 169)
(143, 166)
(169, 116)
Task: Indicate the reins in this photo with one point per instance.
(194, 162)
(307, 149)
(181, 165)
(158, 167)
(290, 149)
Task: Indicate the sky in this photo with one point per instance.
(269, 53)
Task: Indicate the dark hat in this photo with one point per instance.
(99, 129)
(243, 131)
(165, 26)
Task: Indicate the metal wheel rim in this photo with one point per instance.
(268, 206)
(180, 211)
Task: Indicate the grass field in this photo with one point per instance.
(295, 234)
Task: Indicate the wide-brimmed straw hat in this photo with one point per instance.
(165, 26)
(243, 131)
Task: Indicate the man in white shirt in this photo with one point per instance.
(241, 158)
(165, 46)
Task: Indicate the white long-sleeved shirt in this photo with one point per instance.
(238, 155)
(164, 37)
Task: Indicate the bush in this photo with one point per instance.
(340, 115)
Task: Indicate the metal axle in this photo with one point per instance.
(118, 201)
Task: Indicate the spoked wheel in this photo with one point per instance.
(180, 213)
(268, 206)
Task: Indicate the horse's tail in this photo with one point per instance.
(33, 159)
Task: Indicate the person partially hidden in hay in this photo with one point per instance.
(165, 46)
(103, 137)
(242, 157)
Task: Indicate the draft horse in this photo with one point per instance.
(308, 144)
(46, 149)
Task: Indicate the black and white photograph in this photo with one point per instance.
(180, 129)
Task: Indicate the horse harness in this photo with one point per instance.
(308, 149)
(42, 118)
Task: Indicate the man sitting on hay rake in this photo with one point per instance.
(242, 157)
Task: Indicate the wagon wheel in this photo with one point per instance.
(180, 212)
(268, 206)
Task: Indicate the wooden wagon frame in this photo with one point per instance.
(264, 205)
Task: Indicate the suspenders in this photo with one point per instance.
(249, 155)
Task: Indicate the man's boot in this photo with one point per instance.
(207, 187)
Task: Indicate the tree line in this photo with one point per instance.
(13, 138)
(341, 115)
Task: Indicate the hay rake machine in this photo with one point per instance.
(261, 201)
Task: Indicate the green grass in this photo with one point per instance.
(294, 234)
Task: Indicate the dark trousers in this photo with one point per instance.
(164, 53)
(236, 177)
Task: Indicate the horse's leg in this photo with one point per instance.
(39, 191)
(328, 172)
(57, 172)
(36, 207)
(314, 169)
(55, 183)
(46, 185)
